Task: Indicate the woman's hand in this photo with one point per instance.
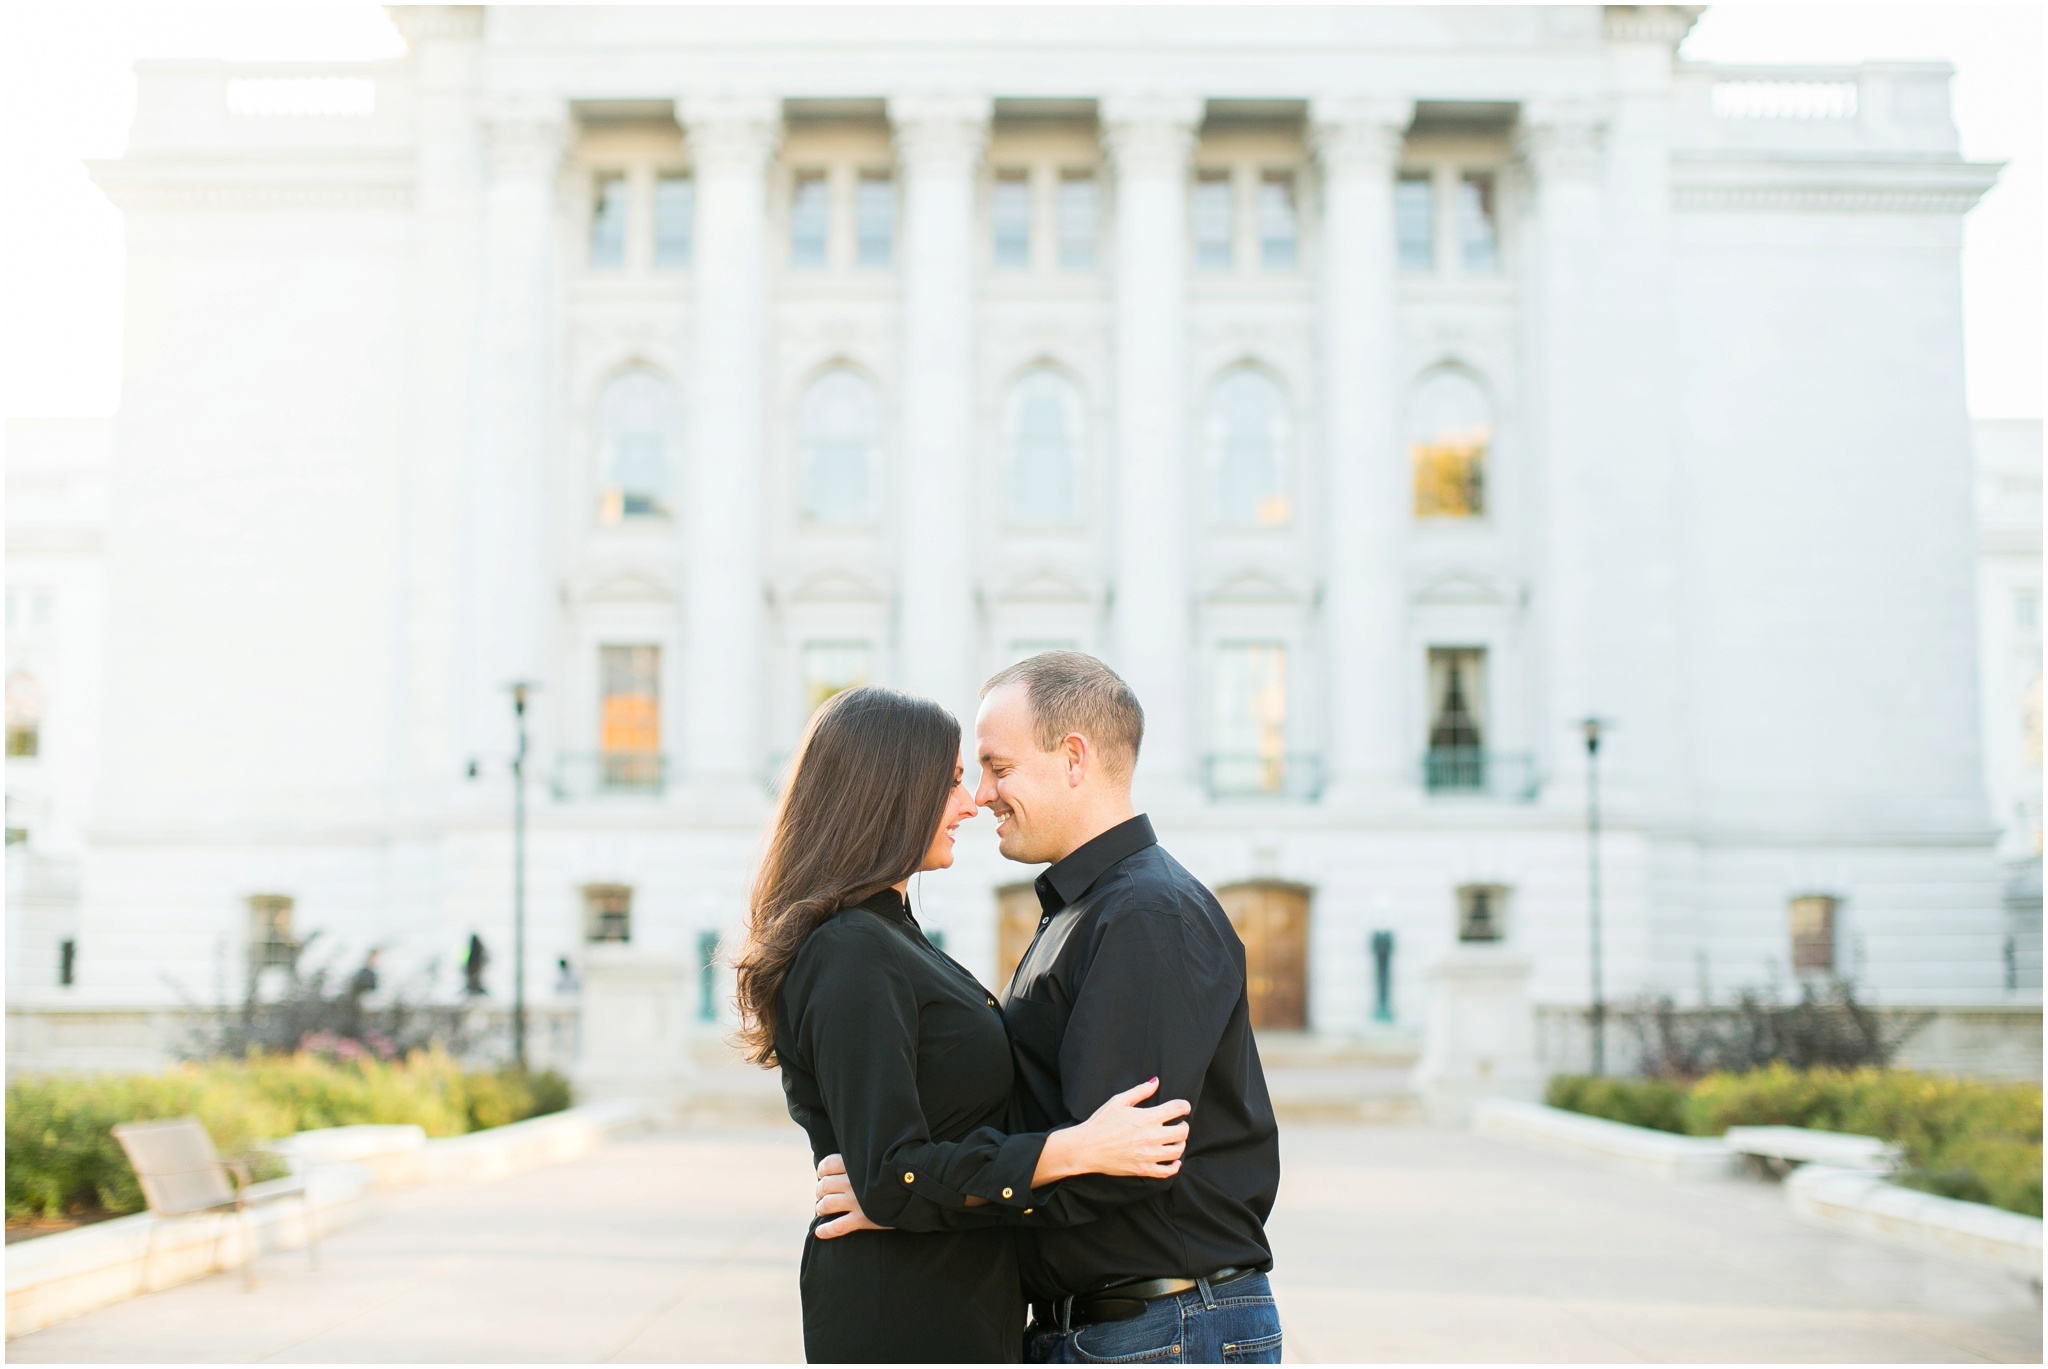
(1121, 1138)
(836, 1200)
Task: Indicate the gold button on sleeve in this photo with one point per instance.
(909, 1178)
(1028, 1211)
(1006, 1193)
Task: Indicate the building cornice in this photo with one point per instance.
(262, 181)
(1665, 24)
(429, 23)
(1710, 183)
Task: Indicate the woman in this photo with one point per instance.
(895, 1057)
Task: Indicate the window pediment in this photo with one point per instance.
(621, 584)
(1254, 586)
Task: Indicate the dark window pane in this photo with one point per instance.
(675, 205)
(1415, 222)
(875, 219)
(1214, 221)
(1010, 218)
(808, 214)
(608, 220)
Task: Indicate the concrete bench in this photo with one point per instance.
(1594, 1138)
(1803, 1145)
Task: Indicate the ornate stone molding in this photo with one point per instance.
(1836, 199)
(1364, 133)
(526, 135)
(431, 23)
(940, 131)
(1150, 133)
(731, 132)
(1563, 139)
(1665, 24)
(368, 183)
(1720, 184)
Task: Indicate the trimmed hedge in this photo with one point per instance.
(1963, 1138)
(62, 1157)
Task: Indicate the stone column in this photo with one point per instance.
(730, 141)
(1561, 143)
(1150, 140)
(449, 212)
(1358, 142)
(939, 141)
(511, 429)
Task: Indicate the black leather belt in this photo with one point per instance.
(1122, 1301)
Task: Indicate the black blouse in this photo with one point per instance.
(896, 1058)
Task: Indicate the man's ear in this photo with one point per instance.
(1079, 757)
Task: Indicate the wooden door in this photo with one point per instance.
(1017, 914)
(1272, 921)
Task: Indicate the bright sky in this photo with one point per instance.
(67, 94)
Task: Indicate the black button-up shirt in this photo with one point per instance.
(1135, 971)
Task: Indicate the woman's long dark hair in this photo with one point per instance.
(863, 800)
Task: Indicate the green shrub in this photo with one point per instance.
(62, 1156)
(1963, 1138)
(1638, 1102)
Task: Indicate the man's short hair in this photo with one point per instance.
(1071, 691)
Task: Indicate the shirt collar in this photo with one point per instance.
(887, 904)
(1062, 883)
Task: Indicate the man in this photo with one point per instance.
(1134, 971)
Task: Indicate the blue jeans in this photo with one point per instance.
(1234, 1324)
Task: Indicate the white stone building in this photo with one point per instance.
(1382, 390)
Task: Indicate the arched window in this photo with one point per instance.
(1042, 434)
(839, 434)
(1450, 433)
(1248, 442)
(638, 423)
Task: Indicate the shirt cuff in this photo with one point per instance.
(1007, 1179)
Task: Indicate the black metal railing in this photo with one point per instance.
(1508, 775)
(1294, 776)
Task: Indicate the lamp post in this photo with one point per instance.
(520, 690)
(1591, 727)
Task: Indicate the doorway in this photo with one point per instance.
(1272, 921)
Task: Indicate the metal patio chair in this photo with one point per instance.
(182, 1175)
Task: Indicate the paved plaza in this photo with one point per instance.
(1394, 1243)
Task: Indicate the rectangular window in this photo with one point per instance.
(1277, 227)
(1248, 719)
(608, 913)
(1009, 212)
(1813, 934)
(675, 211)
(1482, 913)
(1415, 221)
(270, 931)
(1456, 759)
(707, 976)
(809, 213)
(1478, 236)
(608, 219)
(1215, 223)
(830, 667)
(1077, 220)
(67, 963)
(875, 218)
(629, 718)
